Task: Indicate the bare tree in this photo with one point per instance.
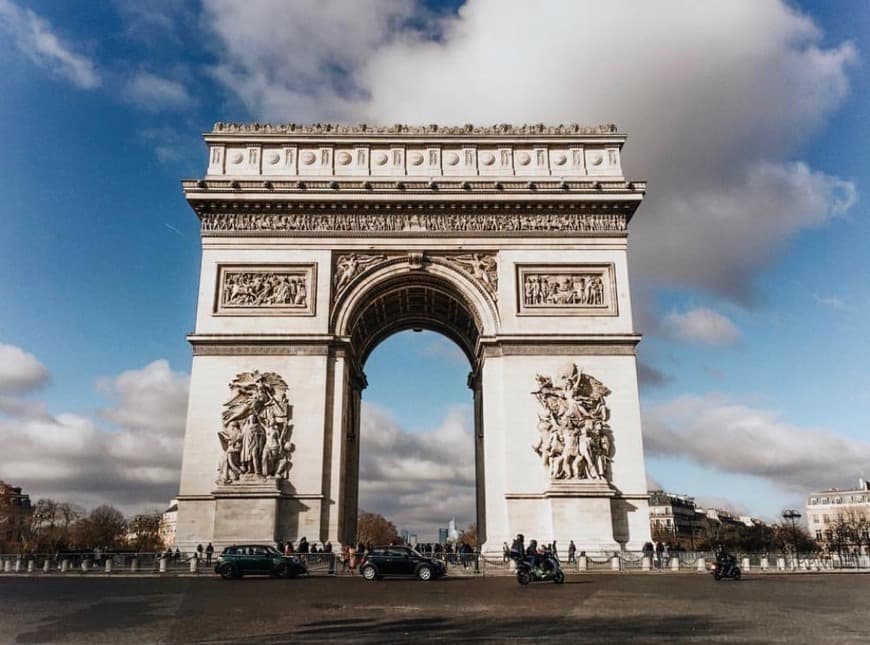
(145, 529)
(103, 528)
(373, 528)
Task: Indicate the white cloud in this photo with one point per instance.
(154, 93)
(702, 326)
(74, 458)
(716, 432)
(36, 39)
(418, 480)
(20, 371)
(712, 125)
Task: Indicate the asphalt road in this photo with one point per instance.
(653, 608)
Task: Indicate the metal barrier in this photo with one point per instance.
(472, 565)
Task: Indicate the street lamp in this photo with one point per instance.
(793, 515)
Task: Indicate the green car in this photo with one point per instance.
(257, 559)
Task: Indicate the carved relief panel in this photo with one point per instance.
(266, 290)
(566, 290)
(256, 430)
(575, 441)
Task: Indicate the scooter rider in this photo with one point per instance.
(725, 561)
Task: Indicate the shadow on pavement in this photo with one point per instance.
(648, 629)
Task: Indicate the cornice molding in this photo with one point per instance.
(499, 129)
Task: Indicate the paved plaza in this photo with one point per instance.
(652, 608)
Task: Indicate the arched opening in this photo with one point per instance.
(379, 312)
(416, 437)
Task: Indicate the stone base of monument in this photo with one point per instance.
(254, 509)
(580, 511)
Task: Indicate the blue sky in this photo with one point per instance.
(748, 257)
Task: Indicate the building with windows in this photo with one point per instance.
(831, 511)
(15, 513)
(167, 524)
(675, 518)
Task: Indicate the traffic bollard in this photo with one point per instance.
(162, 565)
(85, 565)
(745, 565)
(46, 566)
(675, 563)
(30, 566)
(64, 566)
(584, 563)
(646, 563)
(702, 565)
(134, 565)
(193, 563)
(108, 565)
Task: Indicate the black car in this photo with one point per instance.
(257, 559)
(399, 561)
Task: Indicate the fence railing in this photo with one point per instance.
(470, 564)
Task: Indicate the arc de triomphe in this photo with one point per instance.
(320, 242)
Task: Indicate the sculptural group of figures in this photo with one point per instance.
(574, 438)
(256, 289)
(255, 438)
(577, 289)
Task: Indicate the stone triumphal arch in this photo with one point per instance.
(320, 242)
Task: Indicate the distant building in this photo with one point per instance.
(15, 514)
(405, 536)
(412, 540)
(442, 536)
(167, 524)
(830, 507)
(675, 518)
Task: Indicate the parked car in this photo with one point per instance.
(257, 559)
(383, 561)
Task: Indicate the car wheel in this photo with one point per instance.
(369, 573)
(736, 573)
(523, 577)
(559, 577)
(424, 572)
(717, 575)
(281, 571)
(228, 572)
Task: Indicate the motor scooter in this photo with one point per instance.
(542, 568)
(725, 568)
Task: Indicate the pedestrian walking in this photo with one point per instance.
(572, 553)
(209, 551)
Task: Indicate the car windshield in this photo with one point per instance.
(416, 553)
(272, 550)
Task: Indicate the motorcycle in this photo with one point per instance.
(725, 569)
(541, 569)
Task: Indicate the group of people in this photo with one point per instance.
(659, 553)
(304, 546)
